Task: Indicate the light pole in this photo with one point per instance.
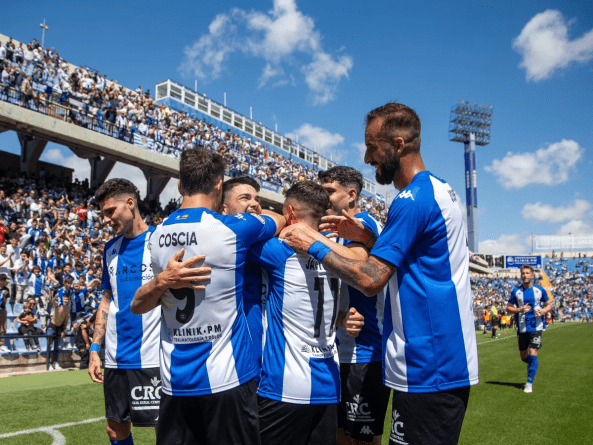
(44, 28)
(470, 123)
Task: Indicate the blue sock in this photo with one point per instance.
(127, 441)
(532, 368)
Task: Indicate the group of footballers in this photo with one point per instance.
(229, 324)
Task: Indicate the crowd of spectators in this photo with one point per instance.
(43, 81)
(571, 282)
(51, 245)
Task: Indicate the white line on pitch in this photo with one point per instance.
(59, 439)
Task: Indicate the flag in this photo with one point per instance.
(380, 198)
(547, 285)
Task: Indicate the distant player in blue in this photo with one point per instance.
(364, 398)
(300, 386)
(132, 382)
(209, 392)
(240, 195)
(526, 304)
(430, 356)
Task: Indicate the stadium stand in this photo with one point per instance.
(84, 97)
(51, 220)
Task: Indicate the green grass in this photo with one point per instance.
(560, 410)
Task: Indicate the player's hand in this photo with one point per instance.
(95, 367)
(347, 227)
(539, 311)
(353, 322)
(179, 273)
(299, 236)
(526, 308)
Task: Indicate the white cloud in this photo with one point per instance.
(576, 227)
(361, 147)
(548, 166)
(319, 139)
(324, 74)
(513, 244)
(283, 37)
(546, 47)
(545, 212)
(82, 171)
(82, 167)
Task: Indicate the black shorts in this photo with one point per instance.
(428, 418)
(531, 340)
(132, 395)
(293, 424)
(228, 417)
(364, 400)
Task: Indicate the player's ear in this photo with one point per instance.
(352, 196)
(223, 209)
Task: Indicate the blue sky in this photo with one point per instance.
(315, 68)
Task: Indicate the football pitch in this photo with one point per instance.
(67, 408)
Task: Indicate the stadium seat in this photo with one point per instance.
(20, 347)
(17, 309)
(12, 327)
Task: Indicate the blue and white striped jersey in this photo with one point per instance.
(534, 296)
(35, 284)
(300, 363)
(205, 344)
(131, 341)
(428, 332)
(255, 294)
(368, 346)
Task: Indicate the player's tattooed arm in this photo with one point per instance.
(369, 276)
(102, 315)
(98, 336)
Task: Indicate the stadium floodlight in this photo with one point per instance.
(44, 28)
(470, 124)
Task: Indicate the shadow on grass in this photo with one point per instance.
(514, 385)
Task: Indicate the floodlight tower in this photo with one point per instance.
(470, 124)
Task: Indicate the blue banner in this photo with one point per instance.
(468, 183)
(534, 261)
(270, 186)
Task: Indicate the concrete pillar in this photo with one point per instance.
(100, 169)
(155, 184)
(31, 150)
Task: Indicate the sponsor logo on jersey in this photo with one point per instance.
(197, 334)
(259, 218)
(453, 195)
(178, 239)
(366, 430)
(319, 351)
(406, 194)
(182, 216)
(397, 426)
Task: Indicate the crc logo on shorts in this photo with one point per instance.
(397, 426)
(147, 397)
(357, 411)
(536, 340)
